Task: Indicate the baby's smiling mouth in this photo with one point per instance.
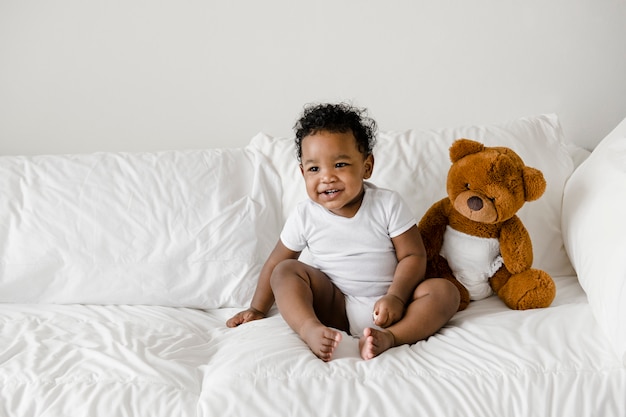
(330, 192)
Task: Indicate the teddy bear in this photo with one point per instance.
(474, 238)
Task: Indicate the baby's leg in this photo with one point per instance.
(434, 303)
(311, 305)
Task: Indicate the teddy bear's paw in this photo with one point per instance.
(533, 288)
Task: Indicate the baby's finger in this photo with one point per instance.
(380, 317)
(375, 317)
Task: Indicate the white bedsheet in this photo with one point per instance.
(488, 360)
(101, 361)
(161, 361)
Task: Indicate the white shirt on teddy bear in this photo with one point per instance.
(473, 260)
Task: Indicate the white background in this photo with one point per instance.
(128, 75)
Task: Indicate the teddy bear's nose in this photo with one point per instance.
(475, 203)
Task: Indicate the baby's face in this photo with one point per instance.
(334, 170)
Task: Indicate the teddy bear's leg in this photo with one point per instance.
(500, 278)
(533, 288)
(439, 268)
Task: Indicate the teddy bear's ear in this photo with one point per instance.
(534, 183)
(464, 147)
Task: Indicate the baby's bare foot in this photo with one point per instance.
(321, 340)
(374, 342)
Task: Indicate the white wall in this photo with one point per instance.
(82, 76)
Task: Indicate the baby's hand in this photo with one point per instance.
(387, 310)
(245, 316)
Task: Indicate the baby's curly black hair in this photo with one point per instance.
(336, 118)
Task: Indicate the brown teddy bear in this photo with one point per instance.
(474, 238)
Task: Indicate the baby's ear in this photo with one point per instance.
(369, 166)
(464, 147)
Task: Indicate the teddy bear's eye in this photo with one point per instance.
(467, 186)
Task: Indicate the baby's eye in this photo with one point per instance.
(313, 169)
(341, 164)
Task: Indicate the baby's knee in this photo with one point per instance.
(287, 269)
(451, 293)
(444, 292)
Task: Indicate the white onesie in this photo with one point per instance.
(473, 260)
(356, 253)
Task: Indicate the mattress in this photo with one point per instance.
(79, 360)
(488, 360)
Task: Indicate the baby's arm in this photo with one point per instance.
(409, 272)
(263, 298)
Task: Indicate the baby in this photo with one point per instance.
(367, 273)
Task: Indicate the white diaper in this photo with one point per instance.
(359, 311)
(473, 260)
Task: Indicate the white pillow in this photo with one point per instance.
(282, 154)
(416, 162)
(183, 229)
(594, 230)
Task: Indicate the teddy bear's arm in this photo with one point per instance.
(433, 225)
(515, 246)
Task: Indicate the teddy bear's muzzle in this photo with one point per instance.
(475, 208)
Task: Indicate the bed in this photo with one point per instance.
(119, 270)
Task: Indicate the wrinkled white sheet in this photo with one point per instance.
(488, 361)
(161, 361)
(101, 361)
